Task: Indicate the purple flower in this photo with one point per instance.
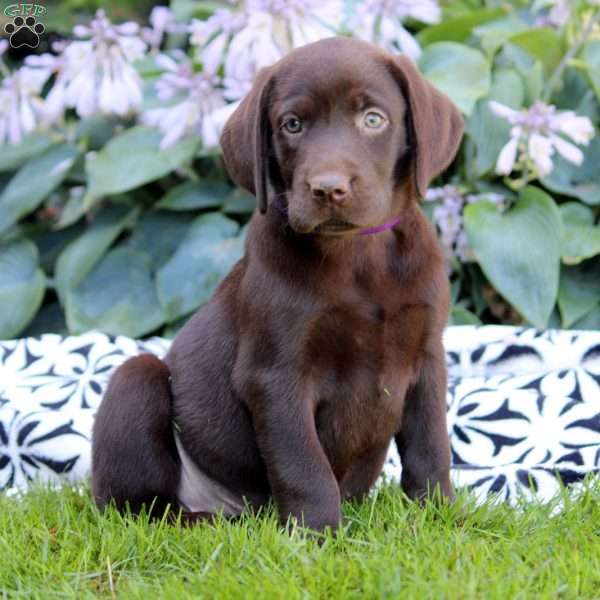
(534, 136)
(95, 75)
(258, 34)
(162, 20)
(196, 104)
(21, 105)
(448, 217)
(380, 21)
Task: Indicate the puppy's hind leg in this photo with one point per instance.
(134, 458)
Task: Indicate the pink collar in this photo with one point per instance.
(389, 225)
(367, 231)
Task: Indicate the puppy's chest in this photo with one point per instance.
(362, 360)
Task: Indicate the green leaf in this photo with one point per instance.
(184, 10)
(239, 202)
(544, 43)
(459, 28)
(488, 131)
(462, 316)
(591, 56)
(81, 255)
(575, 94)
(147, 68)
(96, 130)
(581, 237)
(117, 297)
(195, 194)
(12, 157)
(49, 319)
(159, 235)
(590, 321)
(33, 182)
(457, 8)
(460, 72)
(22, 286)
(477, 282)
(455, 290)
(51, 243)
(71, 211)
(581, 181)
(207, 253)
(133, 159)
(507, 88)
(554, 321)
(493, 35)
(519, 251)
(172, 329)
(489, 134)
(588, 106)
(579, 291)
(530, 69)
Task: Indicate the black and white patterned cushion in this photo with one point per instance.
(523, 406)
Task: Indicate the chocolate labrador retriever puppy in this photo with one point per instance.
(324, 341)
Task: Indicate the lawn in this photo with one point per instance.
(54, 543)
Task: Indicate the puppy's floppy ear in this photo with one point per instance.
(436, 124)
(246, 139)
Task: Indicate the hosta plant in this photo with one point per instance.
(116, 212)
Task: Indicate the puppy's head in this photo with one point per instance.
(344, 133)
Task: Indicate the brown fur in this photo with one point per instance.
(320, 346)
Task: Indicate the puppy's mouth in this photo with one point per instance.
(334, 226)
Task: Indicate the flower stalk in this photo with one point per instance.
(569, 56)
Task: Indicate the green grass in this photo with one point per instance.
(54, 543)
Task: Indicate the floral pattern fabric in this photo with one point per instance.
(523, 407)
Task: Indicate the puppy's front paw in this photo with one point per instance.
(440, 492)
(317, 514)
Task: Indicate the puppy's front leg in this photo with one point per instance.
(422, 441)
(301, 479)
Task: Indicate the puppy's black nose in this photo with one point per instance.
(331, 187)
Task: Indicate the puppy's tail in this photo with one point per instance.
(134, 458)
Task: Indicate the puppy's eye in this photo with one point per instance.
(374, 120)
(292, 125)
